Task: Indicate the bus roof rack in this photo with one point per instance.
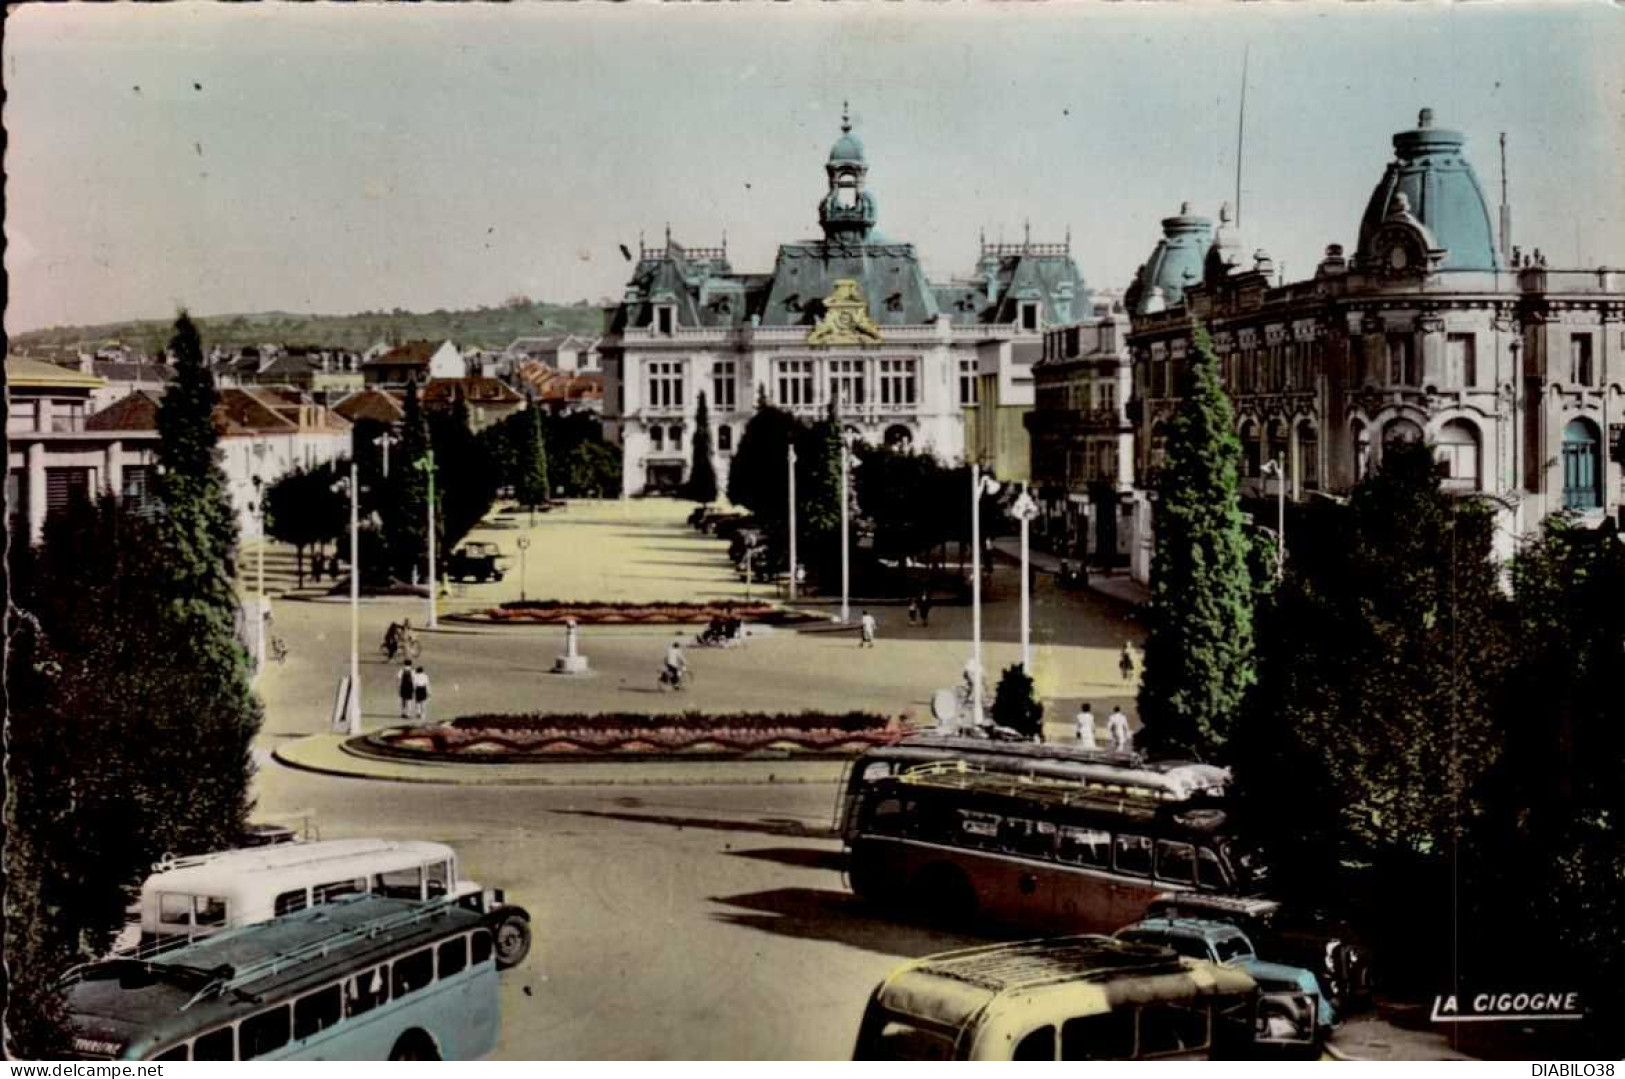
(1123, 790)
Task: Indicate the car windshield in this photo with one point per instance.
(1233, 947)
(1192, 947)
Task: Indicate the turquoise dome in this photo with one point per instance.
(1435, 177)
(1175, 263)
(848, 149)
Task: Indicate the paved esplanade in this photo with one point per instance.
(671, 921)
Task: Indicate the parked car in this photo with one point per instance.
(1223, 943)
(1305, 938)
(475, 561)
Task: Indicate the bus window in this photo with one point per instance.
(179, 1052)
(482, 947)
(413, 972)
(886, 816)
(215, 1045)
(365, 991)
(400, 883)
(288, 902)
(1209, 870)
(440, 878)
(1035, 838)
(978, 829)
(1133, 855)
(1099, 1037)
(263, 1033)
(1084, 846)
(1172, 1028)
(900, 1041)
(453, 956)
(175, 909)
(1176, 862)
(317, 1011)
(210, 910)
(326, 893)
(1039, 1045)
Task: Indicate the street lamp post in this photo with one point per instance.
(979, 485)
(1024, 510)
(352, 716)
(524, 565)
(259, 573)
(385, 440)
(427, 465)
(1277, 469)
(792, 468)
(846, 535)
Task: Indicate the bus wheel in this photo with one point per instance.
(948, 897)
(414, 1045)
(512, 933)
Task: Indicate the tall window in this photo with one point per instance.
(657, 438)
(1308, 455)
(967, 382)
(1159, 447)
(1582, 466)
(1251, 451)
(1361, 439)
(725, 439)
(1460, 360)
(795, 383)
(1029, 317)
(1401, 360)
(1457, 452)
(1106, 395)
(846, 383)
(897, 383)
(664, 385)
(665, 319)
(1580, 359)
(723, 383)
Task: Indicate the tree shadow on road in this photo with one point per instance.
(780, 826)
(838, 917)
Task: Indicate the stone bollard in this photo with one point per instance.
(571, 662)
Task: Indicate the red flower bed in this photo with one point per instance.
(622, 613)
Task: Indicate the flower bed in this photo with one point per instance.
(558, 611)
(515, 738)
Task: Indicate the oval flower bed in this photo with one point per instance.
(508, 739)
(559, 611)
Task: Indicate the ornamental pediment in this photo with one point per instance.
(846, 318)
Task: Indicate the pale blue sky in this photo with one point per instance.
(341, 159)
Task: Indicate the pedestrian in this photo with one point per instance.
(408, 688)
(316, 567)
(925, 609)
(1086, 727)
(1125, 662)
(1117, 730)
(866, 630)
(420, 693)
(913, 612)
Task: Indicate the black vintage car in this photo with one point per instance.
(475, 562)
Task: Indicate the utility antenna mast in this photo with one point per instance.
(1506, 207)
(1241, 128)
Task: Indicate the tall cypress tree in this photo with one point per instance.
(466, 483)
(405, 512)
(1199, 655)
(758, 478)
(531, 487)
(702, 474)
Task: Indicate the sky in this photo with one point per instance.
(333, 159)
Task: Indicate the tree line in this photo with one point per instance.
(1421, 735)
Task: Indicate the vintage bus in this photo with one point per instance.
(1171, 780)
(955, 843)
(188, 898)
(1078, 998)
(365, 977)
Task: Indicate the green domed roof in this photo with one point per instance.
(1436, 178)
(1175, 263)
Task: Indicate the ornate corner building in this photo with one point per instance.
(849, 318)
(1513, 370)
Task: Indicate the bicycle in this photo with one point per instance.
(673, 680)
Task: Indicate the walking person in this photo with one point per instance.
(925, 609)
(1125, 662)
(420, 693)
(1117, 731)
(913, 612)
(866, 631)
(1086, 727)
(409, 685)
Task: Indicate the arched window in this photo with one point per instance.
(657, 438)
(725, 439)
(1308, 470)
(1457, 452)
(1582, 466)
(1360, 436)
(899, 438)
(1276, 447)
(1159, 447)
(1251, 451)
(1401, 431)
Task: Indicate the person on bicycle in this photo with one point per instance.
(392, 639)
(676, 662)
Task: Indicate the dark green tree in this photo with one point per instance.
(702, 474)
(466, 484)
(819, 453)
(1199, 654)
(303, 509)
(532, 487)
(405, 508)
(1016, 704)
(593, 470)
(758, 478)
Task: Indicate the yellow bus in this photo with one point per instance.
(1078, 998)
(954, 843)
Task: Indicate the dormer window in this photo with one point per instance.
(665, 319)
(1029, 316)
(894, 302)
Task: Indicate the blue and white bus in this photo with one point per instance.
(366, 977)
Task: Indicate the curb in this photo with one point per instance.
(298, 754)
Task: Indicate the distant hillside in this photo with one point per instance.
(488, 327)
